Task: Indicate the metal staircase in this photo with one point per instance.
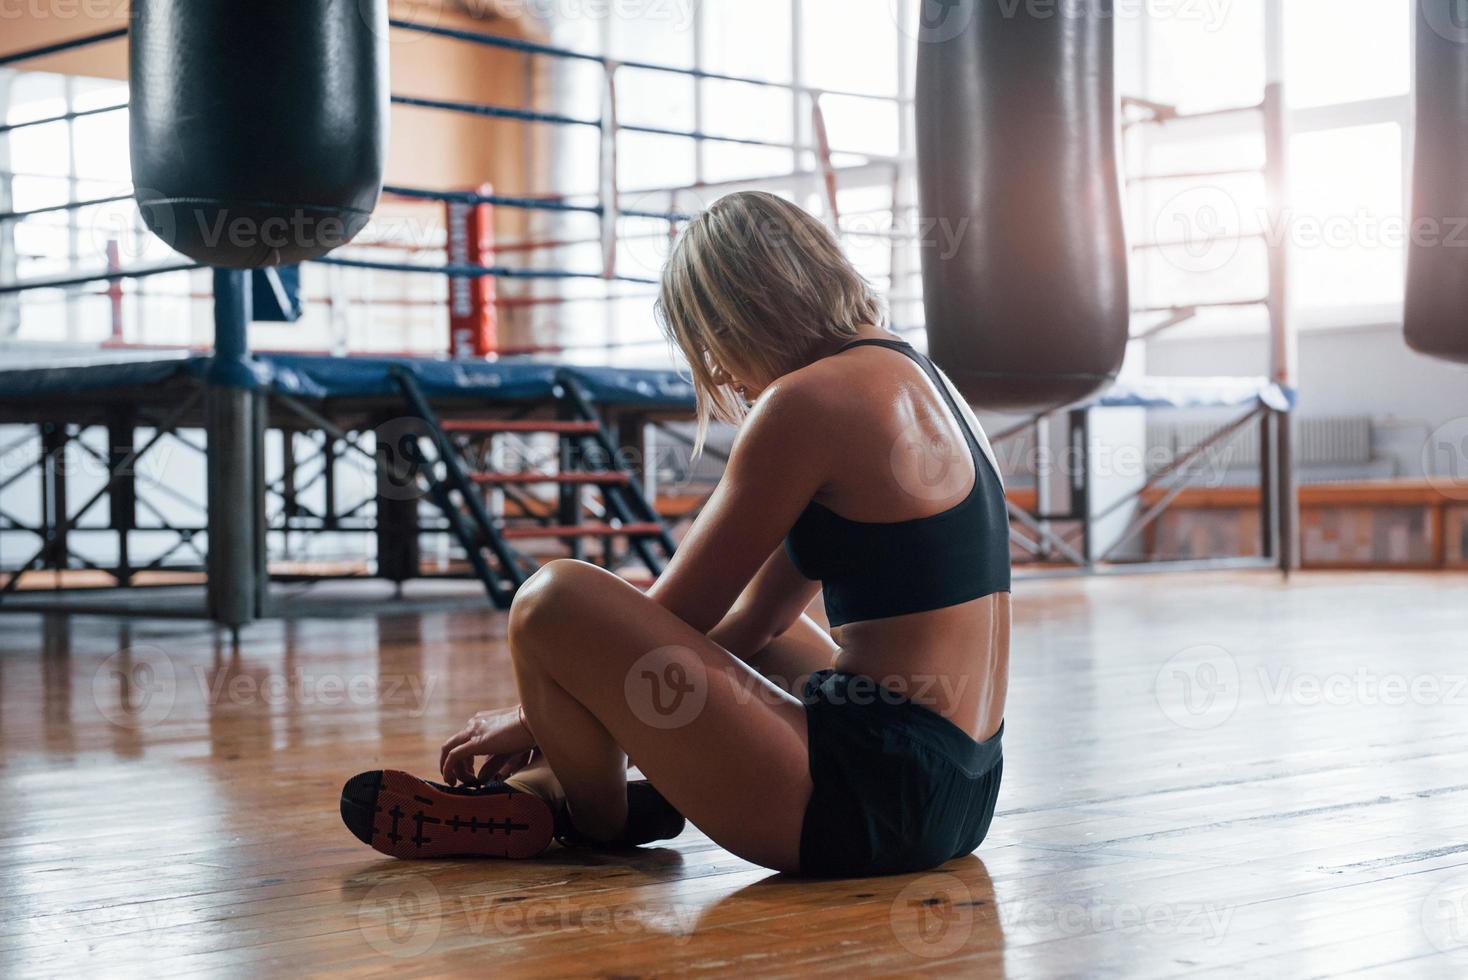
(457, 479)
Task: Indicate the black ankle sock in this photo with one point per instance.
(650, 818)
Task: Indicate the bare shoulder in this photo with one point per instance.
(805, 411)
(813, 390)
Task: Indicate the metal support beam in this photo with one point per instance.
(55, 517)
(1268, 504)
(289, 504)
(235, 590)
(1282, 345)
(330, 520)
(399, 556)
(1079, 431)
(260, 421)
(122, 498)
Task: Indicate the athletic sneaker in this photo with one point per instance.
(406, 817)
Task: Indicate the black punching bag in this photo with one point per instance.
(1437, 259)
(259, 129)
(1017, 162)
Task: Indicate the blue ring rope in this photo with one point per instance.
(64, 117)
(694, 134)
(60, 46)
(493, 111)
(477, 109)
(534, 47)
(526, 115)
(496, 41)
(470, 197)
(68, 206)
(20, 287)
(668, 216)
(480, 271)
(452, 271)
(526, 203)
(462, 197)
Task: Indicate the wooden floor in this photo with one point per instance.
(1213, 775)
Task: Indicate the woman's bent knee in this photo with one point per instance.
(550, 598)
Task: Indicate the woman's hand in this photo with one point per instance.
(502, 735)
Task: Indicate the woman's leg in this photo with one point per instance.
(786, 662)
(604, 671)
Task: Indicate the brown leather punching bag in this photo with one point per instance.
(1017, 157)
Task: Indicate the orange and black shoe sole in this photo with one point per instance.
(403, 816)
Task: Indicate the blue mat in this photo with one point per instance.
(1163, 392)
(323, 377)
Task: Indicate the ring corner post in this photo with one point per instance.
(1283, 355)
(235, 587)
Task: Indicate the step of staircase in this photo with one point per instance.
(609, 477)
(581, 531)
(492, 426)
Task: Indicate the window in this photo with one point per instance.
(1205, 56)
(850, 47)
(654, 98)
(1346, 50)
(860, 126)
(747, 37)
(737, 109)
(1347, 232)
(1347, 78)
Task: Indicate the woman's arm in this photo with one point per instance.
(780, 459)
(774, 599)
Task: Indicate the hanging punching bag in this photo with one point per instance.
(1437, 260)
(259, 130)
(1026, 287)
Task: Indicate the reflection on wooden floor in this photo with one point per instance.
(1204, 773)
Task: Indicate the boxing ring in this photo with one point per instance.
(324, 415)
(269, 426)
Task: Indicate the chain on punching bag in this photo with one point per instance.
(259, 130)
(1437, 260)
(1017, 162)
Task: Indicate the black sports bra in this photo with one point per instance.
(876, 570)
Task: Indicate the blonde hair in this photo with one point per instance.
(757, 284)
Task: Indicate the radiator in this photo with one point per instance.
(1339, 441)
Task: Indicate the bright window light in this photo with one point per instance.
(1347, 232)
(1347, 50)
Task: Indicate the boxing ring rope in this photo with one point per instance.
(71, 44)
(9, 128)
(7, 289)
(476, 271)
(525, 115)
(570, 54)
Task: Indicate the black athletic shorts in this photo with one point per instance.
(897, 787)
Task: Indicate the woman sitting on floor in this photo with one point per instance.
(873, 748)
